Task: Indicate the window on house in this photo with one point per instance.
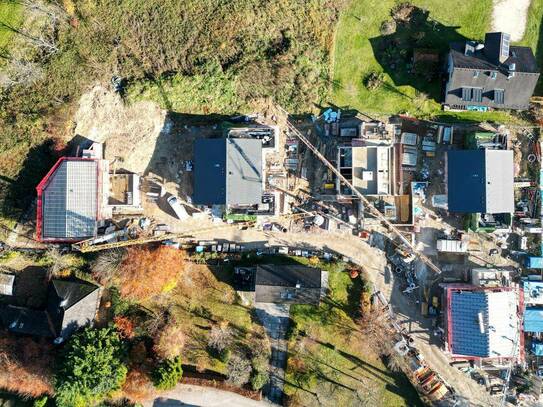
(499, 96)
(493, 75)
(466, 94)
(477, 95)
(475, 74)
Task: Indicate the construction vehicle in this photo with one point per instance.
(368, 206)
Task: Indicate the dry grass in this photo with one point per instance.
(25, 365)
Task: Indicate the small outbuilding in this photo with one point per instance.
(6, 284)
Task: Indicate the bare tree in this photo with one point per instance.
(220, 337)
(57, 262)
(106, 264)
(239, 370)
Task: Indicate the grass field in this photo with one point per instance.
(355, 56)
(330, 363)
(11, 14)
(532, 36)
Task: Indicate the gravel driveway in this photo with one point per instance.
(275, 319)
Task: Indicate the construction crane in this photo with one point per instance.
(90, 245)
(375, 212)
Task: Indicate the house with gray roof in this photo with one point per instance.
(490, 75)
(71, 304)
(228, 171)
(480, 181)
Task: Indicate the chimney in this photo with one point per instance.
(497, 47)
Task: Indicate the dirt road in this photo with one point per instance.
(407, 311)
(510, 16)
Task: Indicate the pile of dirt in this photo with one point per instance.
(130, 132)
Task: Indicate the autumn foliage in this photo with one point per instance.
(124, 326)
(138, 386)
(170, 342)
(25, 365)
(145, 272)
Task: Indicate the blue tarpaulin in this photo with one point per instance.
(533, 319)
(534, 262)
(537, 348)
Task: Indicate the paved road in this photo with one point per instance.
(275, 318)
(194, 396)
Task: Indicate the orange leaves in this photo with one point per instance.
(147, 272)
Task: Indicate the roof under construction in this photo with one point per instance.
(482, 323)
(68, 200)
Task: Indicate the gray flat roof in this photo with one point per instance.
(228, 171)
(70, 200)
(243, 171)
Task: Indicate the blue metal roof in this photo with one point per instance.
(533, 319)
(467, 338)
(209, 172)
(466, 181)
(534, 262)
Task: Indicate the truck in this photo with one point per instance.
(178, 207)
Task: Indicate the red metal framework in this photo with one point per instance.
(43, 185)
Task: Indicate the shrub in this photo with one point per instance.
(239, 370)
(225, 355)
(138, 386)
(40, 402)
(124, 326)
(388, 27)
(91, 367)
(170, 342)
(168, 373)
(259, 379)
(374, 80)
(219, 337)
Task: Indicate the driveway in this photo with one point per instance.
(275, 319)
(196, 396)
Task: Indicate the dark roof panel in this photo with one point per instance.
(288, 276)
(209, 172)
(26, 321)
(466, 172)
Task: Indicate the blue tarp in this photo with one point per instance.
(534, 262)
(533, 319)
(537, 348)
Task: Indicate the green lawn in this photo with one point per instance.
(331, 364)
(532, 36)
(11, 14)
(359, 45)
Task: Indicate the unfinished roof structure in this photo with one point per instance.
(482, 323)
(69, 200)
(227, 171)
(71, 304)
(368, 168)
(295, 284)
(488, 177)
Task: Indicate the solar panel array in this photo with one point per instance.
(70, 201)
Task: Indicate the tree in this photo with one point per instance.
(168, 373)
(239, 370)
(170, 341)
(106, 264)
(145, 272)
(259, 379)
(219, 337)
(91, 367)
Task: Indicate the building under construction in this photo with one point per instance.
(483, 324)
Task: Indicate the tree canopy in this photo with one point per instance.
(91, 367)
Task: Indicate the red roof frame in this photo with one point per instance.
(41, 187)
